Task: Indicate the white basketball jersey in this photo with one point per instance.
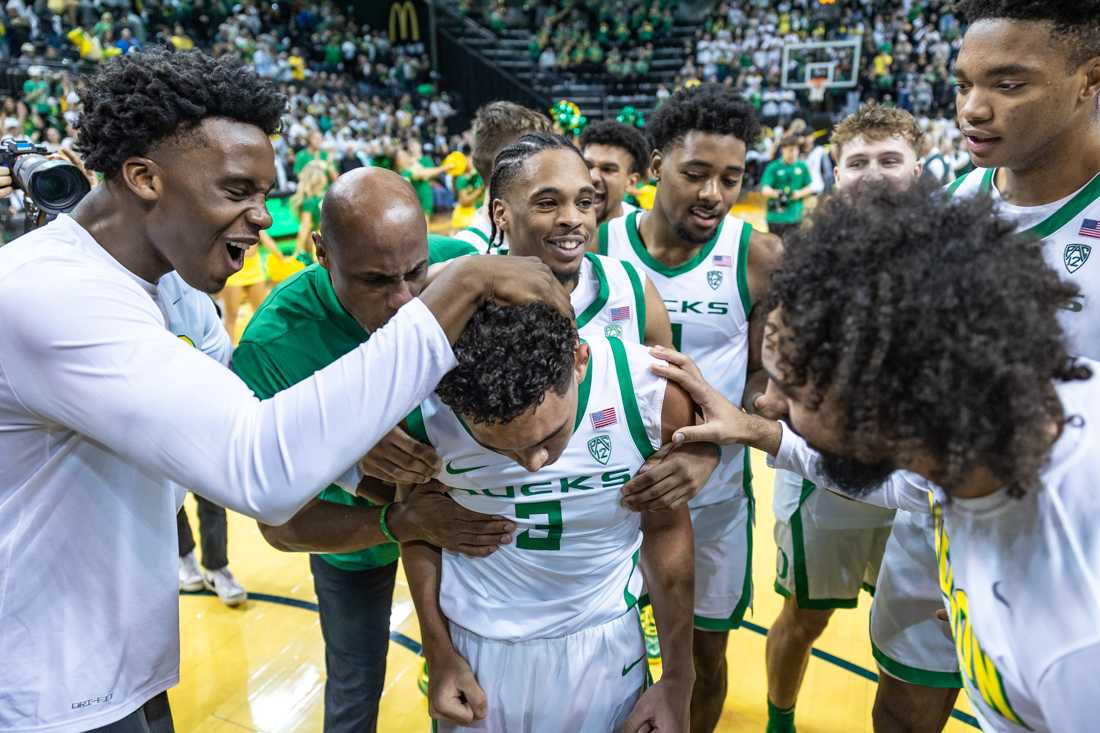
(573, 561)
(478, 232)
(1070, 230)
(708, 303)
(609, 299)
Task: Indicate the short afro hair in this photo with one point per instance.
(1076, 22)
(873, 121)
(509, 357)
(616, 134)
(710, 107)
(135, 102)
(932, 324)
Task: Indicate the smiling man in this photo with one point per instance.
(711, 269)
(1027, 104)
(104, 412)
(950, 389)
(618, 157)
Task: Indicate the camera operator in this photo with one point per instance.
(104, 413)
(786, 182)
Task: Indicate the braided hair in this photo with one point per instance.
(508, 164)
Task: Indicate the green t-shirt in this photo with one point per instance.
(304, 158)
(471, 180)
(300, 328)
(790, 178)
(423, 188)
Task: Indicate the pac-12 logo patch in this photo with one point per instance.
(1075, 256)
(714, 279)
(600, 448)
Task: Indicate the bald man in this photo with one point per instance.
(373, 255)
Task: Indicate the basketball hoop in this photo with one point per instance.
(817, 88)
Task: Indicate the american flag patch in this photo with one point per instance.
(722, 261)
(603, 418)
(1090, 228)
(620, 314)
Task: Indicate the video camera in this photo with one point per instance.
(54, 186)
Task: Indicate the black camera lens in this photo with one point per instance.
(56, 186)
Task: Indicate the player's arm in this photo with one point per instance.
(658, 327)
(424, 514)
(114, 372)
(765, 255)
(453, 691)
(725, 424)
(668, 565)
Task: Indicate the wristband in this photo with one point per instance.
(385, 527)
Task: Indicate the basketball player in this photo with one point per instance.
(1027, 100)
(710, 269)
(496, 125)
(618, 158)
(542, 636)
(543, 204)
(829, 545)
(104, 412)
(954, 388)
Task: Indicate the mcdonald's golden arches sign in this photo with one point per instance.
(404, 22)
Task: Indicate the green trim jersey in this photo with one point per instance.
(609, 299)
(708, 303)
(573, 562)
(1070, 230)
(477, 233)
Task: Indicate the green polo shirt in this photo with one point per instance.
(793, 177)
(300, 328)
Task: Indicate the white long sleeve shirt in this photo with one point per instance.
(1020, 577)
(102, 410)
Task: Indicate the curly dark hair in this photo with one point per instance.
(1076, 22)
(627, 137)
(707, 107)
(510, 160)
(932, 324)
(135, 102)
(509, 357)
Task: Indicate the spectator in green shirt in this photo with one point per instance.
(374, 259)
(419, 170)
(313, 152)
(786, 182)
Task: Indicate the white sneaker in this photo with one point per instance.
(225, 585)
(190, 577)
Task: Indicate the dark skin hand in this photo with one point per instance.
(459, 289)
(425, 513)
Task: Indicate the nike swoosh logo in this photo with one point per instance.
(632, 665)
(998, 596)
(457, 471)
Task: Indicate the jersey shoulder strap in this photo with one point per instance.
(629, 394)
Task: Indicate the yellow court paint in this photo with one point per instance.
(261, 667)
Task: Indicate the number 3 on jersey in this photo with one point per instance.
(552, 511)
